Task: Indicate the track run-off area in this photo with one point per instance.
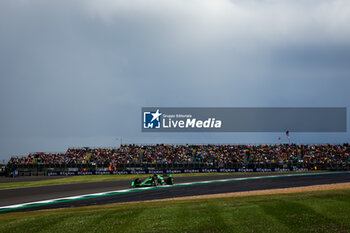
(44, 197)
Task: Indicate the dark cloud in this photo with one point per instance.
(78, 73)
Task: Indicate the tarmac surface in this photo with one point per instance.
(30, 194)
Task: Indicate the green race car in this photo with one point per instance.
(154, 180)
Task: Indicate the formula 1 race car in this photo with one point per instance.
(154, 180)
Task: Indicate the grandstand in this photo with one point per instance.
(170, 157)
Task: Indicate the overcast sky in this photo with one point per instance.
(76, 73)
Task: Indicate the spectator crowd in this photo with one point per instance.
(208, 155)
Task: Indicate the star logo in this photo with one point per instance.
(156, 115)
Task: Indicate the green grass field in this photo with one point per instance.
(322, 211)
(70, 180)
(96, 178)
(89, 178)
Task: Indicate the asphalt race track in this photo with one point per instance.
(119, 191)
(30, 194)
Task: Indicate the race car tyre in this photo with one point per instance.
(169, 181)
(137, 181)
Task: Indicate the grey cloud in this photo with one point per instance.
(72, 73)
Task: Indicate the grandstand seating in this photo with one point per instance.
(202, 155)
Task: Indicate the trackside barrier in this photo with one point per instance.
(174, 171)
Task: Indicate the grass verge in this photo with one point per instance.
(321, 211)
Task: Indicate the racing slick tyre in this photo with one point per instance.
(169, 181)
(137, 181)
